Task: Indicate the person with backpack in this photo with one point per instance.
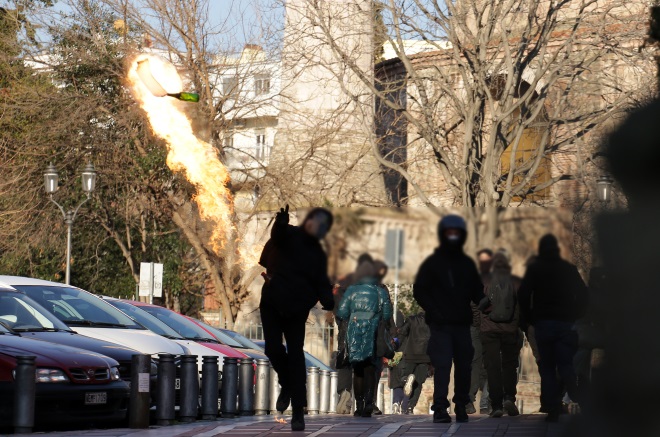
(501, 338)
(415, 362)
(446, 283)
(364, 305)
(552, 296)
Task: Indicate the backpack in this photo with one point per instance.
(503, 300)
(418, 338)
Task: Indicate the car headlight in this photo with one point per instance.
(114, 374)
(51, 375)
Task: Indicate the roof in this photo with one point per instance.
(21, 280)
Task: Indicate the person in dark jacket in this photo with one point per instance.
(446, 283)
(343, 367)
(552, 297)
(415, 362)
(296, 278)
(501, 338)
(364, 304)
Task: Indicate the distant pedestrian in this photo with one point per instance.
(552, 297)
(501, 337)
(415, 361)
(296, 278)
(342, 365)
(364, 304)
(446, 283)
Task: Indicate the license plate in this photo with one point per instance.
(96, 398)
(177, 384)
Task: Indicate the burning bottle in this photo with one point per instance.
(145, 73)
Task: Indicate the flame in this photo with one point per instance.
(198, 160)
(279, 420)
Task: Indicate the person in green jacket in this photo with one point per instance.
(364, 304)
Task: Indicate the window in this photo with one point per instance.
(230, 86)
(262, 149)
(228, 140)
(261, 84)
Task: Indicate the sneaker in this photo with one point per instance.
(496, 413)
(345, 404)
(298, 421)
(396, 408)
(461, 414)
(441, 417)
(376, 411)
(408, 387)
(469, 408)
(283, 400)
(510, 408)
(409, 410)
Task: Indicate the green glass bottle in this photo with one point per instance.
(186, 97)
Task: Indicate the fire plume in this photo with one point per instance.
(196, 159)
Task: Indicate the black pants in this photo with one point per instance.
(289, 361)
(450, 343)
(478, 377)
(501, 358)
(420, 370)
(364, 374)
(344, 370)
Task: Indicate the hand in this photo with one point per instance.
(282, 217)
(485, 305)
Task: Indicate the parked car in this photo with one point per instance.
(310, 360)
(25, 317)
(88, 314)
(225, 339)
(72, 385)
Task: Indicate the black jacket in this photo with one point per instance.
(298, 271)
(552, 289)
(445, 284)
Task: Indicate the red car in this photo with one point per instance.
(73, 385)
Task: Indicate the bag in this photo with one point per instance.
(341, 360)
(384, 341)
(503, 300)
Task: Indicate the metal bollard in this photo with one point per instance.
(274, 390)
(334, 397)
(380, 396)
(138, 406)
(324, 391)
(209, 387)
(262, 389)
(246, 387)
(313, 390)
(189, 407)
(165, 394)
(24, 394)
(229, 387)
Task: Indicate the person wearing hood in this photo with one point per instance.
(501, 338)
(364, 304)
(552, 296)
(296, 278)
(446, 283)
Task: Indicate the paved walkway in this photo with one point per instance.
(343, 426)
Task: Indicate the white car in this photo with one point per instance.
(87, 314)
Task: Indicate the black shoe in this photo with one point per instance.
(298, 421)
(376, 411)
(461, 414)
(510, 408)
(441, 417)
(409, 410)
(497, 412)
(283, 400)
(359, 407)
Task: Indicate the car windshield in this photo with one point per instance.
(221, 336)
(145, 319)
(179, 323)
(20, 313)
(246, 342)
(76, 307)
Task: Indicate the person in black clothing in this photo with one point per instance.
(415, 362)
(445, 284)
(552, 296)
(296, 278)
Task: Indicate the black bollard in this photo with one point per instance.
(246, 387)
(229, 387)
(209, 387)
(165, 394)
(189, 407)
(24, 395)
(138, 407)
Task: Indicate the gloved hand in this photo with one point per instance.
(282, 217)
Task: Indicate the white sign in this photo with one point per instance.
(158, 280)
(151, 280)
(143, 383)
(145, 279)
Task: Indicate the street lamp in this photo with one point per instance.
(604, 188)
(51, 180)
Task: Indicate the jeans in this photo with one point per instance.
(450, 343)
(501, 358)
(478, 377)
(289, 361)
(557, 342)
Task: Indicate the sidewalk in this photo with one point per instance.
(532, 425)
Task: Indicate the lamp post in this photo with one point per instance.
(51, 180)
(604, 188)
